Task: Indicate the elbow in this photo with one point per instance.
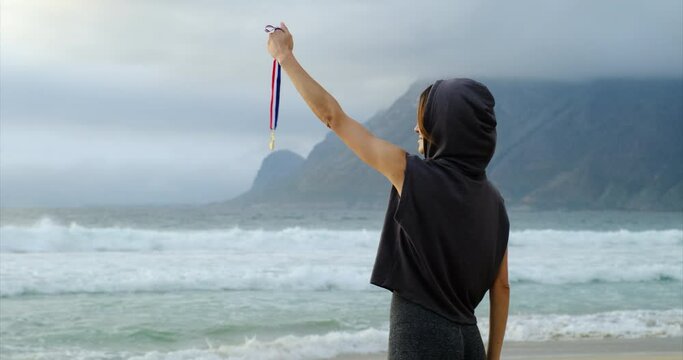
(499, 293)
(331, 117)
(501, 287)
(331, 114)
(328, 119)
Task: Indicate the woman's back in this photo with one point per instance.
(445, 235)
(443, 259)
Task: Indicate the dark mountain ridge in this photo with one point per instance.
(600, 144)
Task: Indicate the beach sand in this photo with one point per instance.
(670, 348)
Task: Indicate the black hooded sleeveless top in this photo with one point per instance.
(444, 238)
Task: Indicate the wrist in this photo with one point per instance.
(285, 57)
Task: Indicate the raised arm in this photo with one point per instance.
(383, 156)
(499, 296)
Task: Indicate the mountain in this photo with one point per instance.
(600, 144)
(277, 168)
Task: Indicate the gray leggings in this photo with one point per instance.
(419, 333)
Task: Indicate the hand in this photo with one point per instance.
(280, 42)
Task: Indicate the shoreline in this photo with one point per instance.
(650, 348)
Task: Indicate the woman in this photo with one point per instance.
(445, 234)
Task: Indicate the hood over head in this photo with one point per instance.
(460, 118)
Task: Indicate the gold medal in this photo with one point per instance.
(271, 144)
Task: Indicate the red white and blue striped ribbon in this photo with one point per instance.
(274, 93)
(274, 100)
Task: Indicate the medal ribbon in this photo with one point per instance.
(274, 95)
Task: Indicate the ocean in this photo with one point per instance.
(203, 283)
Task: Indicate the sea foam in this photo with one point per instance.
(550, 327)
(49, 258)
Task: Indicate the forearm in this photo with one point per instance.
(499, 301)
(323, 105)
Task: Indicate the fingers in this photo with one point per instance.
(282, 28)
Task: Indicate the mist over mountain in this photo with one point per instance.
(600, 144)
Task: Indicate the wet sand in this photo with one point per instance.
(604, 349)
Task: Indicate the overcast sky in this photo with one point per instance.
(132, 102)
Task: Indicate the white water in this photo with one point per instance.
(47, 258)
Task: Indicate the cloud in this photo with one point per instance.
(121, 83)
